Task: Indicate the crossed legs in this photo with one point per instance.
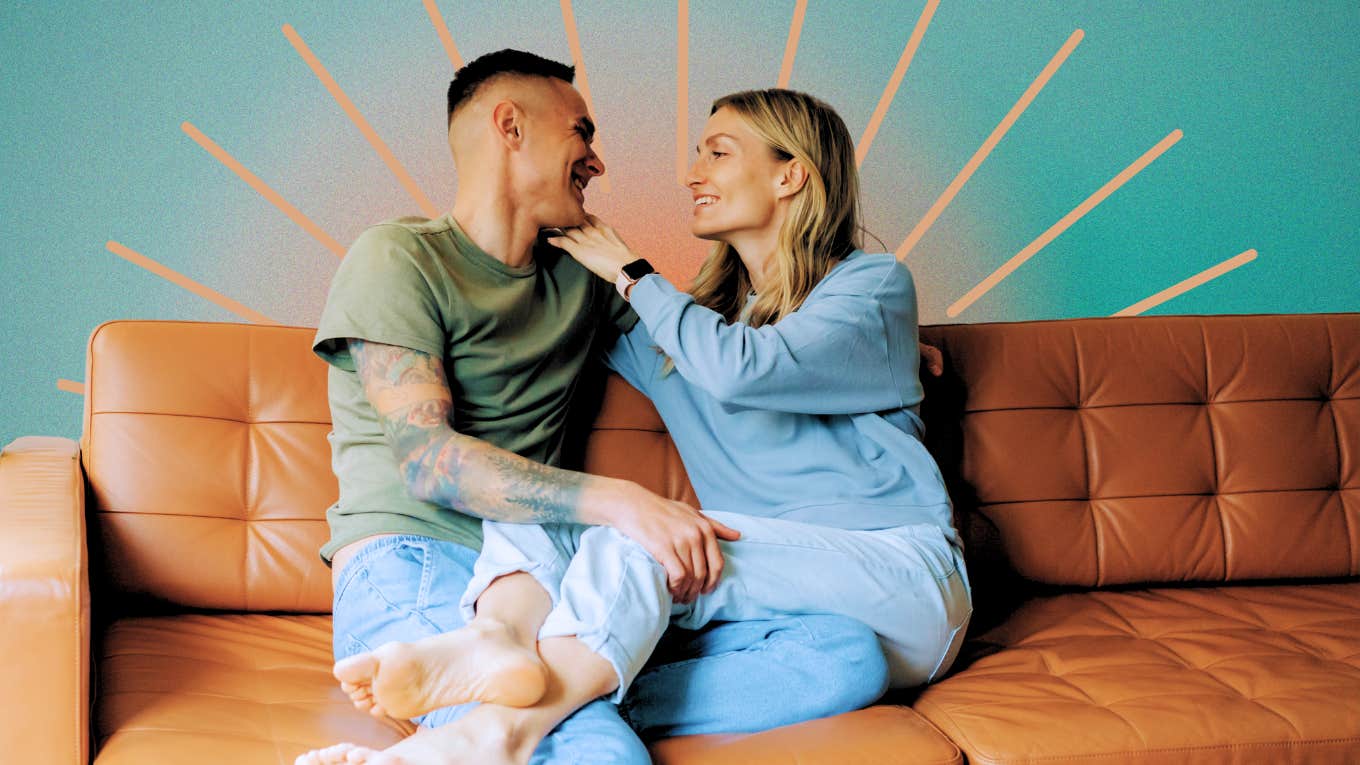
(400, 587)
(794, 668)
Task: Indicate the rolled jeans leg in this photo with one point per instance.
(614, 599)
(542, 551)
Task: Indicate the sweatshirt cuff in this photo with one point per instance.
(650, 296)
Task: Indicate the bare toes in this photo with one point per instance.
(360, 755)
(331, 755)
(356, 670)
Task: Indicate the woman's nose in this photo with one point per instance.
(692, 177)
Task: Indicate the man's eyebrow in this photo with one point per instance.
(589, 127)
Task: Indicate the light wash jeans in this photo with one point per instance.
(907, 584)
(728, 678)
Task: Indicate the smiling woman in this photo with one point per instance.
(776, 187)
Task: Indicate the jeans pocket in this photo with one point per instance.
(400, 575)
(347, 645)
(935, 552)
(958, 606)
(951, 652)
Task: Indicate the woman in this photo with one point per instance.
(788, 380)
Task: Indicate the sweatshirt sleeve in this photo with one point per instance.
(850, 348)
(633, 356)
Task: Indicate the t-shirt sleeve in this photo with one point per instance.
(380, 294)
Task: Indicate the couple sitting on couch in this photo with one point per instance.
(787, 378)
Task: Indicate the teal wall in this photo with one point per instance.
(92, 150)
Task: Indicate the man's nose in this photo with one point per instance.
(594, 164)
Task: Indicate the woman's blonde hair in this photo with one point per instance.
(823, 223)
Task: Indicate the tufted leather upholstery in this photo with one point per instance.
(1219, 448)
(1180, 449)
(1223, 674)
(228, 688)
(1154, 456)
(207, 442)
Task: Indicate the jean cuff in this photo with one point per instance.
(548, 576)
(601, 643)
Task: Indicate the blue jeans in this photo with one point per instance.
(728, 678)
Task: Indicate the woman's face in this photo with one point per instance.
(734, 181)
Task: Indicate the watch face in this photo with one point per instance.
(638, 269)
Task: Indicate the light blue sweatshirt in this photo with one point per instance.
(814, 418)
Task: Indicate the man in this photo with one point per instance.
(455, 346)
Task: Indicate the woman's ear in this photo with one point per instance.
(508, 119)
(791, 179)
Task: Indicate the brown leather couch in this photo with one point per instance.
(1163, 520)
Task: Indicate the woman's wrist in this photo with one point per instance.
(630, 274)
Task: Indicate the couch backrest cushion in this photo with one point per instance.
(1088, 452)
(205, 448)
(1155, 449)
(628, 440)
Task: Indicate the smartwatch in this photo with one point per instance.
(629, 275)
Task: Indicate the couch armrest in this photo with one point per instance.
(44, 604)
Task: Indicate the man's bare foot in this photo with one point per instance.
(480, 662)
(487, 735)
(331, 755)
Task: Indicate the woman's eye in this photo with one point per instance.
(719, 153)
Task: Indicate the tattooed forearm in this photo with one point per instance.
(549, 494)
(411, 395)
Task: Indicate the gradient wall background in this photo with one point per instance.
(92, 149)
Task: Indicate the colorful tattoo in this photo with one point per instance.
(411, 395)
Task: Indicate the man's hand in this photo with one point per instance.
(680, 538)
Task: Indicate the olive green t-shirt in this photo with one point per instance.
(513, 341)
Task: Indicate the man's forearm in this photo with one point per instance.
(474, 477)
(411, 397)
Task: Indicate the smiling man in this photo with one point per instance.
(455, 346)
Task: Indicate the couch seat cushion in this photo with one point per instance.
(871, 736)
(1223, 674)
(239, 689)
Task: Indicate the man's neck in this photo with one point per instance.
(492, 223)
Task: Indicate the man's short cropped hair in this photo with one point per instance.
(466, 80)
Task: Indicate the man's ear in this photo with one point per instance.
(508, 119)
(791, 179)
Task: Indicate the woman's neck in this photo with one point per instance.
(755, 256)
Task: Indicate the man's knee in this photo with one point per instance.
(848, 660)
